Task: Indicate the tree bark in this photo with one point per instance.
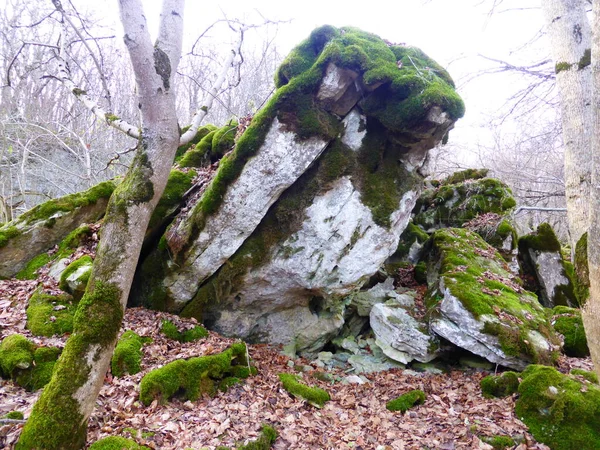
(591, 310)
(570, 35)
(59, 418)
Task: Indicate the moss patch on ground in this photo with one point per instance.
(192, 377)
(452, 205)
(567, 321)
(127, 357)
(268, 436)
(477, 275)
(499, 442)
(48, 315)
(559, 410)
(503, 385)
(116, 443)
(169, 329)
(313, 395)
(406, 401)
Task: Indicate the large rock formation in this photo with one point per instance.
(314, 196)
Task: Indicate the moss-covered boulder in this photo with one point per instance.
(75, 277)
(49, 315)
(116, 443)
(193, 377)
(127, 357)
(567, 321)
(476, 303)
(560, 411)
(542, 264)
(46, 225)
(453, 204)
(498, 231)
(411, 242)
(499, 385)
(316, 191)
(25, 363)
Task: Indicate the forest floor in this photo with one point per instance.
(454, 415)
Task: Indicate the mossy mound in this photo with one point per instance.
(75, 277)
(116, 443)
(48, 315)
(452, 205)
(25, 363)
(268, 436)
(499, 385)
(592, 377)
(406, 401)
(559, 410)
(171, 331)
(66, 247)
(192, 377)
(464, 175)
(14, 415)
(567, 321)
(476, 275)
(499, 442)
(313, 395)
(127, 357)
(212, 147)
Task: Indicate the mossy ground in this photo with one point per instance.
(268, 436)
(406, 401)
(192, 377)
(567, 321)
(116, 443)
(127, 357)
(452, 205)
(169, 329)
(475, 273)
(559, 410)
(500, 386)
(313, 395)
(499, 442)
(49, 315)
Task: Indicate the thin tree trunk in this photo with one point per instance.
(59, 418)
(591, 310)
(570, 33)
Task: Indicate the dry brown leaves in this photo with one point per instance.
(453, 416)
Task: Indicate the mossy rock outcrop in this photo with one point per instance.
(25, 363)
(453, 205)
(500, 385)
(317, 190)
(567, 321)
(46, 225)
(476, 303)
(49, 315)
(560, 411)
(75, 277)
(195, 376)
(212, 147)
(542, 262)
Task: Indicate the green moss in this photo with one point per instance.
(268, 436)
(562, 66)
(406, 401)
(85, 260)
(8, 232)
(116, 443)
(191, 378)
(14, 415)
(544, 240)
(581, 271)
(178, 184)
(49, 315)
(313, 395)
(111, 117)
(558, 409)
(200, 134)
(567, 321)
(585, 60)
(66, 247)
(411, 234)
(39, 376)
(464, 175)
(16, 353)
(475, 273)
(169, 329)
(199, 155)
(500, 386)
(592, 377)
(421, 272)
(499, 442)
(127, 357)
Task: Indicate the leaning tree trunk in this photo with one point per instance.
(591, 310)
(569, 32)
(59, 418)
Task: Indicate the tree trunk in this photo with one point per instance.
(59, 418)
(570, 33)
(591, 310)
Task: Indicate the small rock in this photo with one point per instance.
(354, 379)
